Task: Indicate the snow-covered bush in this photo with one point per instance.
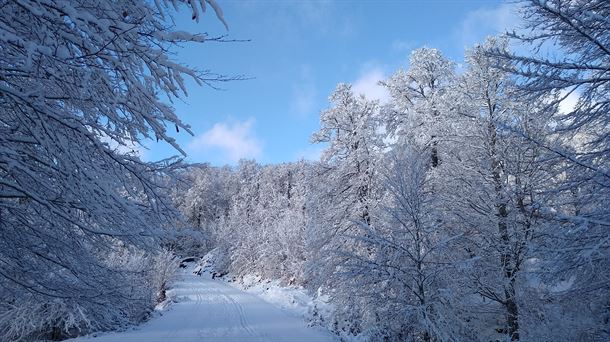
(52, 319)
(138, 280)
(217, 261)
(188, 242)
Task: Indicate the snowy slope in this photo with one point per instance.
(210, 310)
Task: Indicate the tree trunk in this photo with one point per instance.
(506, 257)
(512, 312)
(434, 157)
(56, 334)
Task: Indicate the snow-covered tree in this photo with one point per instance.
(80, 81)
(348, 162)
(497, 181)
(350, 194)
(350, 130)
(570, 60)
(570, 43)
(488, 105)
(405, 264)
(419, 106)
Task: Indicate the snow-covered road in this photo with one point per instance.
(211, 310)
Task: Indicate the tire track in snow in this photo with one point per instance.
(242, 317)
(210, 310)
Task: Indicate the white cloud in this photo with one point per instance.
(568, 104)
(126, 147)
(487, 21)
(234, 139)
(368, 85)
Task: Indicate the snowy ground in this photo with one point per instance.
(211, 310)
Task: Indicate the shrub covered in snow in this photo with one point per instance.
(138, 280)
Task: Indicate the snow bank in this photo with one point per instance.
(292, 299)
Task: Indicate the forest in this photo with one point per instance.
(472, 206)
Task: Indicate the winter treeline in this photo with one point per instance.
(81, 215)
(472, 206)
(256, 214)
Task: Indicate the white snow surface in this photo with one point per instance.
(292, 299)
(211, 310)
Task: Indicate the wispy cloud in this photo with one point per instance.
(402, 46)
(485, 21)
(233, 140)
(324, 16)
(288, 19)
(311, 152)
(368, 84)
(304, 93)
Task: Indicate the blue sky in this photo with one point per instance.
(298, 52)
